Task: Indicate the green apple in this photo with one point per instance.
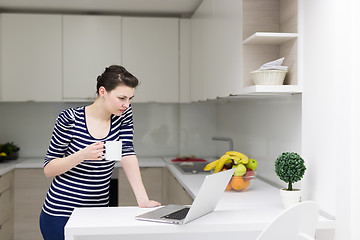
(252, 164)
(240, 170)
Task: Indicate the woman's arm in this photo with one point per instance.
(58, 166)
(131, 167)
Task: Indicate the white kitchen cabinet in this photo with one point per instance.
(0, 60)
(231, 38)
(216, 49)
(6, 206)
(30, 189)
(199, 54)
(90, 43)
(150, 51)
(31, 57)
(184, 66)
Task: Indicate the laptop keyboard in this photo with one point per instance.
(178, 215)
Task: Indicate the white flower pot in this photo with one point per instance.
(290, 198)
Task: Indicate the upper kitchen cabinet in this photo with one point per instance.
(31, 57)
(0, 61)
(270, 31)
(216, 49)
(90, 43)
(150, 51)
(231, 38)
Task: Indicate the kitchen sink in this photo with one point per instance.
(191, 167)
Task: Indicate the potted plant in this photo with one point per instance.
(9, 151)
(290, 168)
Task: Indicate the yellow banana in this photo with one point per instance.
(222, 161)
(242, 157)
(236, 159)
(211, 165)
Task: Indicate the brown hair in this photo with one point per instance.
(114, 76)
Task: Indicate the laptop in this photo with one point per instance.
(205, 202)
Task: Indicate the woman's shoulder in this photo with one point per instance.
(68, 115)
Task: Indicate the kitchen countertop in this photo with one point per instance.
(245, 213)
(238, 214)
(7, 166)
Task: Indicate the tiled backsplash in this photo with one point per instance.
(159, 127)
(262, 128)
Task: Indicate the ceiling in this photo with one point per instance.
(182, 8)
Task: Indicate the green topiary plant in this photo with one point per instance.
(290, 168)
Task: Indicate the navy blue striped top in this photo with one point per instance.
(87, 184)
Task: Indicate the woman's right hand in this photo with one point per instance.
(94, 151)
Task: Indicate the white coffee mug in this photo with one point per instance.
(113, 150)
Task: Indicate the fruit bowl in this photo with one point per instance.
(241, 183)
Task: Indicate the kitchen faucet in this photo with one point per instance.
(227, 139)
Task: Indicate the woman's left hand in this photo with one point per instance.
(149, 204)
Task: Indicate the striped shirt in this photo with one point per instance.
(87, 184)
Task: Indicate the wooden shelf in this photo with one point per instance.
(270, 38)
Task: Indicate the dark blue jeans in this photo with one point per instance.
(52, 228)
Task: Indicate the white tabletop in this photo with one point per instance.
(242, 214)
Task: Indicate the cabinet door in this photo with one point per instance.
(216, 49)
(6, 206)
(176, 193)
(151, 53)
(153, 181)
(30, 188)
(91, 43)
(0, 59)
(31, 57)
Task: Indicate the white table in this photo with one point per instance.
(240, 215)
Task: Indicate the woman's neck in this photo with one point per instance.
(98, 110)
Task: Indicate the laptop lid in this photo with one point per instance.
(209, 194)
(205, 201)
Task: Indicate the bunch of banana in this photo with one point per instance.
(231, 157)
(238, 157)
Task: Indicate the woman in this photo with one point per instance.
(75, 155)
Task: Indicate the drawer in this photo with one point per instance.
(6, 231)
(5, 206)
(5, 181)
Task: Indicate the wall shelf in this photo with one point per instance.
(271, 89)
(270, 32)
(270, 38)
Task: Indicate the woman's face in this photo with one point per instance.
(117, 100)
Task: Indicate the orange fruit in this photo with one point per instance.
(237, 183)
(228, 187)
(246, 185)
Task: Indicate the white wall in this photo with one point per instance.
(198, 124)
(158, 127)
(29, 125)
(355, 119)
(331, 108)
(262, 129)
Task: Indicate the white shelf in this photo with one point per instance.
(269, 38)
(271, 89)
